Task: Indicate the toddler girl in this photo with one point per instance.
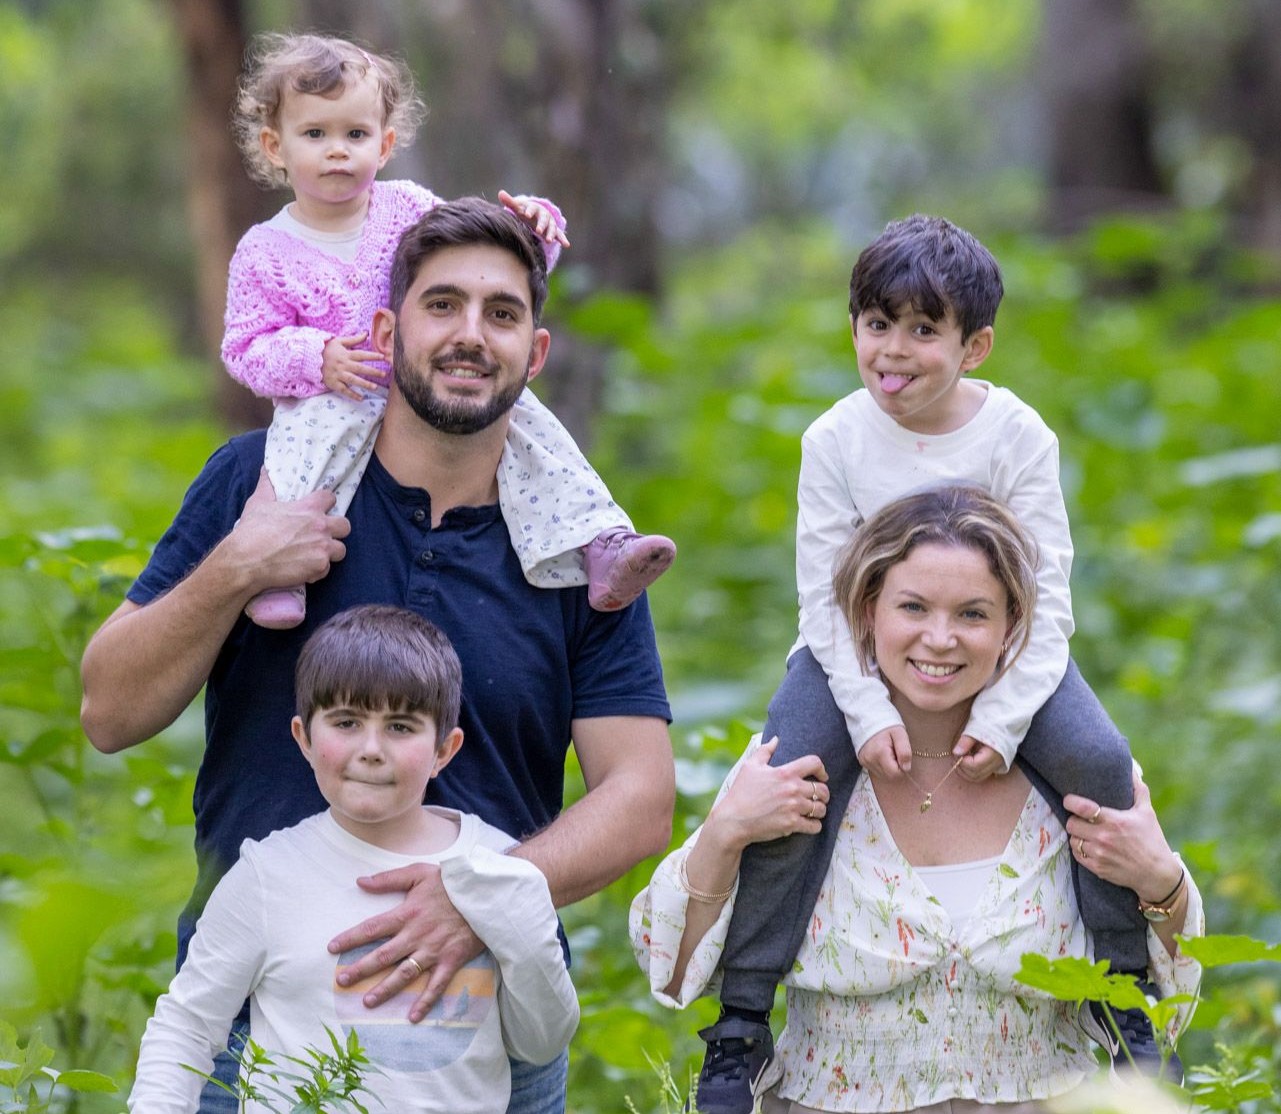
(322, 116)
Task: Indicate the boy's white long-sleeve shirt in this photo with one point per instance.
(854, 460)
(265, 933)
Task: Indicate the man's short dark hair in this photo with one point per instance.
(469, 220)
(374, 658)
(932, 266)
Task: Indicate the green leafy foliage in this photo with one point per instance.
(320, 1081)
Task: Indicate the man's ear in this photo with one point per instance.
(538, 350)
(446, 748)
(382, 333)
(978, 347)
(299, 731)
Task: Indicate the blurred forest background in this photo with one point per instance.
(720, 163)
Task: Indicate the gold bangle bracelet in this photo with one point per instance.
(700, 895)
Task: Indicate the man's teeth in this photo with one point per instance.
(931, 670)
(465, 373)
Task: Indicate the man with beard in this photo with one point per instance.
(540, 667)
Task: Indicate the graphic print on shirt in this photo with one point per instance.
(392, 1041)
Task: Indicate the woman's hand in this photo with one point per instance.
(767, 802)
(1123, 846)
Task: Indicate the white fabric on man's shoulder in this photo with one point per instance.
(854, 460)
(265, 932)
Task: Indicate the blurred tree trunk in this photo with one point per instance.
(1250, 106)
(221, 201)
(1097, 79)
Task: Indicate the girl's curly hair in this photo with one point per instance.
(318, 64)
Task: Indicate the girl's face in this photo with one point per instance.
(331, 147)
(939, 625)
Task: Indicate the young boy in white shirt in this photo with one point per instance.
(923, 300)
(378, 692)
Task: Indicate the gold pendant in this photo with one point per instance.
(929, 800)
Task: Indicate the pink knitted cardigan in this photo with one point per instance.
(287, 298)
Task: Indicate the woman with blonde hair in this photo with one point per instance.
(904, 996)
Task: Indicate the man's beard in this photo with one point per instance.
(456, 417)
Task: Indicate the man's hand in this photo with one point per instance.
(888, 753)
(424, 928)
(342, 367)
(980, 761)
(537, 216)
(287, 543)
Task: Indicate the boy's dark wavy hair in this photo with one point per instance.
(931, 265)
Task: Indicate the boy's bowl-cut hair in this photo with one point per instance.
(378, 657)
(933, 266)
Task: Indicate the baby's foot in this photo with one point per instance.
(620, 565)
(278, 609)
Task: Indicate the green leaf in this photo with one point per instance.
(85, 1081)
(1219, 951)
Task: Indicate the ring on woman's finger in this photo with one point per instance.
(1098, 811)
(1080, 846)
(418, 967)
(809, 815)
(814, 792)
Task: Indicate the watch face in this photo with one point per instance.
(1156, 914)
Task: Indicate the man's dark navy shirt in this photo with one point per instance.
(533, 660)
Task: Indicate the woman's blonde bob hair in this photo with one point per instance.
(956, 515)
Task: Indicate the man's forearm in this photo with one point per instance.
(626, 815)
(147, 663)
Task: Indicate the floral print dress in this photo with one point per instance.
(890, 1005)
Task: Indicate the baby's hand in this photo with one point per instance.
(537, 216)
(980, 761)
(887, 753)
(343, 368)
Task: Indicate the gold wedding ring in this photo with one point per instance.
(418, 967)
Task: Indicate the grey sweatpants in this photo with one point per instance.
(1071, 747)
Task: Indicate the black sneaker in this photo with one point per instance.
(738, 1052)
(1136, 1032)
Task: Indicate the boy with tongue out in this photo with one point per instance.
(923, 299)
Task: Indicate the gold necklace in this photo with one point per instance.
(931, 753)
(929, 794)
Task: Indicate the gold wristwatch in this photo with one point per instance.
(1163, 910)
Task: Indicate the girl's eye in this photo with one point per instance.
(314, 133)
(357, 133)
